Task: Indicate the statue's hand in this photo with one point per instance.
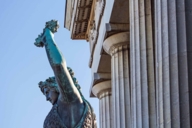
(39, 41)
(52, 26)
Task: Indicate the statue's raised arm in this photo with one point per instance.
(68, 90)
(70, 109)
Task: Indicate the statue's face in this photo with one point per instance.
(50, 95)
(55, 28)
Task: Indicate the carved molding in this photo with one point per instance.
(94, 32)
(79, 36)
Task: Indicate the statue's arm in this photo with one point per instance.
(67, 88)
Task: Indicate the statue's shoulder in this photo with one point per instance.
(53, 120)
(90, 118)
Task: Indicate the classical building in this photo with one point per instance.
(140, 57)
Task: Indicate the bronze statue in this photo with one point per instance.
(70, 109)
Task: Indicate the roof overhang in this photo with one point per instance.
(77, 15)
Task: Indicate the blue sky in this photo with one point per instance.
(22, 65)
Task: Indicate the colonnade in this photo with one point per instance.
(151, 68)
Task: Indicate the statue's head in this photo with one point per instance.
(50, 89)
(53, 25)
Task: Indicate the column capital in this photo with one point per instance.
(98, 78)
(116, 42)
(102, 89)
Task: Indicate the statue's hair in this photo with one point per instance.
(49, 83)
(52, 24)
(73, 78)
(52, 84)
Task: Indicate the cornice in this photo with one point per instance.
(81, 19)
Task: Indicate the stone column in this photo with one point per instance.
(143, 105)
(173, 44)
(103, 91)
(117, 46)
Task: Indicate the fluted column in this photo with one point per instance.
(143, 105)
(173, 44)
(117, 46)
(103, 91)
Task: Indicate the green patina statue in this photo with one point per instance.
(70, 109)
